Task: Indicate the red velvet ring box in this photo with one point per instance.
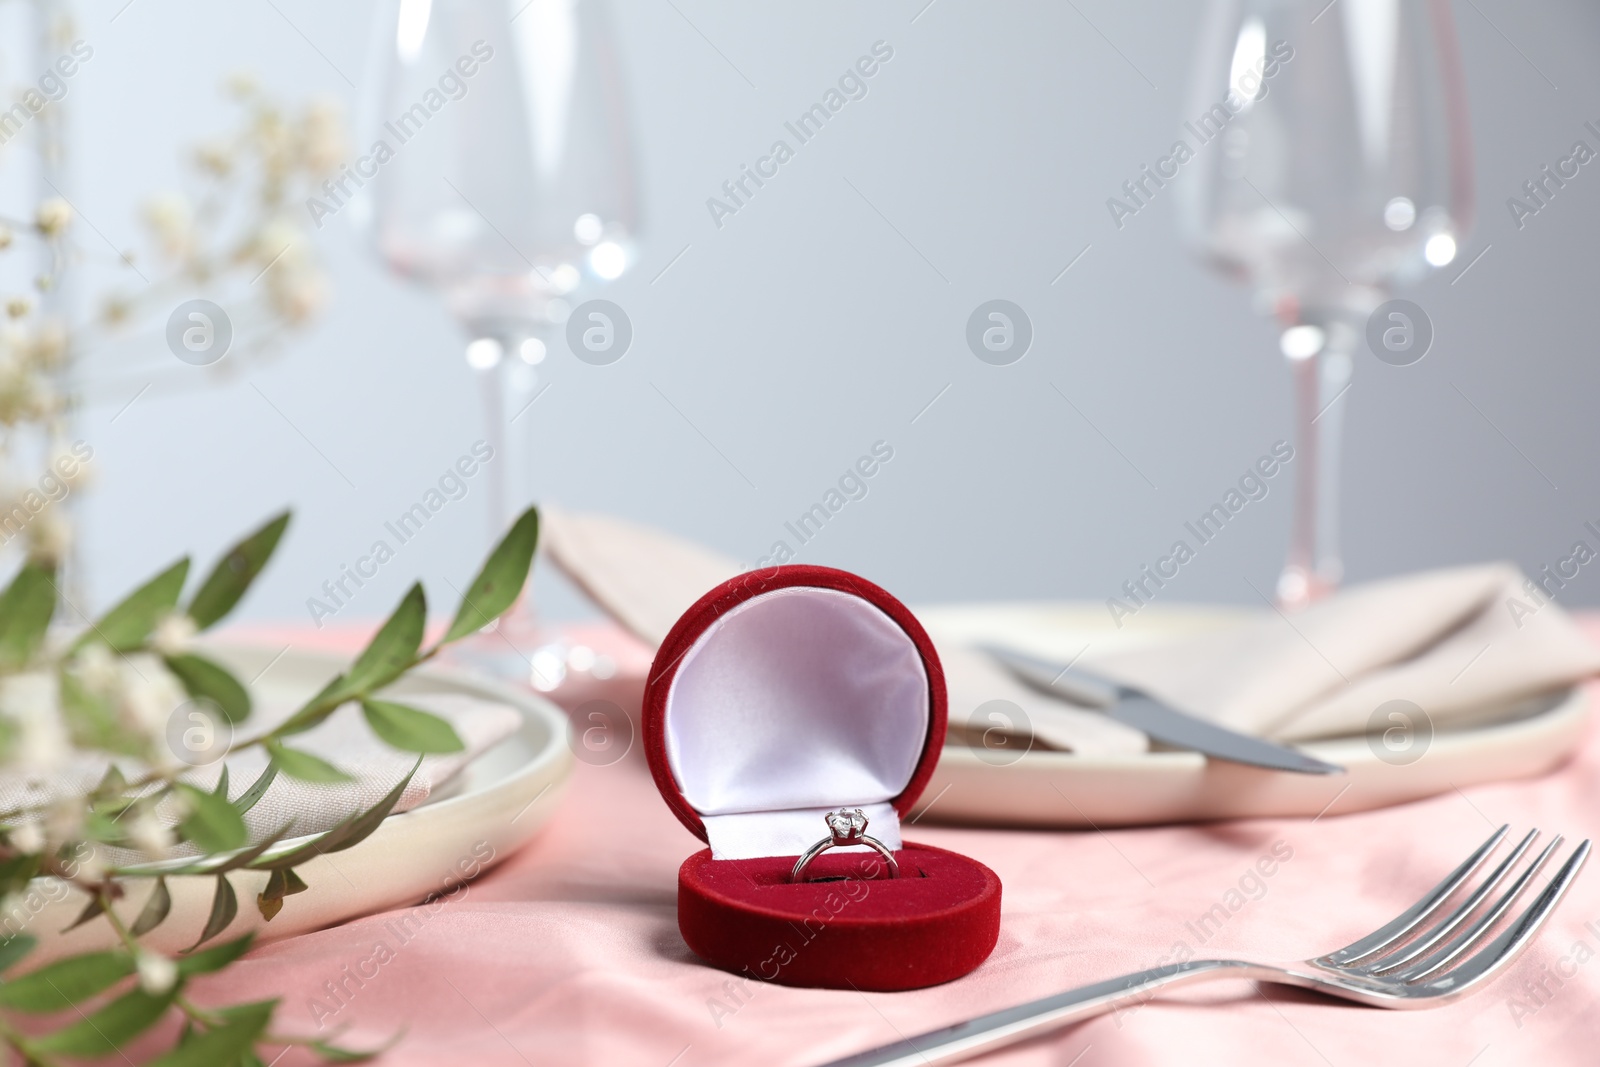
(781, 695)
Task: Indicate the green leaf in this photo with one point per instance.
(126, 626)
(305, 766)
(98, 826)
(156, 907)
(13, 948)
(234, 572)
(108, 1029)
(393, 649)
(216, 957)
(112, 783)
(66, 982)
(334, 1054)
(255, 1009)
(498, 583)
(213, 823)
(348, 833)
(222, 864)
(205, 680)
(247, 800)
(224, 908)
(221, 789)
(16, 872)
(25, 610)
(96, 906)
(282, 882)
(409, 729)
(319, 707)
(224, 1044)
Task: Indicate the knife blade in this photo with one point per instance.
(1160, 720)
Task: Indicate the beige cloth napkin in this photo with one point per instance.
(643, 578)
(1457, 643)
(1464, 644)
(342, 739)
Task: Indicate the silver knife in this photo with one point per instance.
(1159, 720)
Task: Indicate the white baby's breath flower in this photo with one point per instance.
(29, 838)
(148, 835)
(323, 140)
(69, 466)
(172, 221)
(89, 868)
(240, 84)
(31, 700)
(173, 635)
(274, 142)
(147, 693)
(157, 973)
(297, 292)
(18, 386)
(49, 536)
(97, 668)
(278, 242)
(53, 216)
(215, 158)
(48, 344)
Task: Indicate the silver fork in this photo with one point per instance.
(1410, 963)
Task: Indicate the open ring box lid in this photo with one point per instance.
(781, 695)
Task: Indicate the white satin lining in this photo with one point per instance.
(794, 703)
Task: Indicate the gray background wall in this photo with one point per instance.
(807, 328)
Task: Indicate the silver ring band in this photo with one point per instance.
(845, 827)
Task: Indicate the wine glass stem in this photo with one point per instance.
(1313, 568)
(1303, 531)
(1334, 368)
(508, 389)
(492, 381)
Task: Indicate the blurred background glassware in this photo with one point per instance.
(511, 190)
(1342, 167)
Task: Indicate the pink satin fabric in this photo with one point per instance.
(569, 951)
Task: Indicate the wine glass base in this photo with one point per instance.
(1299, 587)
(517, 650)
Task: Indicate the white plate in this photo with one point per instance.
(1046, 788)
(496, 804)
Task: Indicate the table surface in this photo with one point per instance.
(569, 952)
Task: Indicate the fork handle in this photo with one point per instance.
(1010, 1025)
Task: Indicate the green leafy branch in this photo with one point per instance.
(152, 627)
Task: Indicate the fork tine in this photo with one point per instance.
(1509, 945)
(1425, 944)
(1407, 920)
(1461, 942)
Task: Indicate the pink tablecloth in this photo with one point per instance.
(569, 952)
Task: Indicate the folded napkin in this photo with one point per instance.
(1461, 644)
(342, 739)
(643, 578)
(1465, 644)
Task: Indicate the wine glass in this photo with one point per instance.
(1333, 162)
(498, 169)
